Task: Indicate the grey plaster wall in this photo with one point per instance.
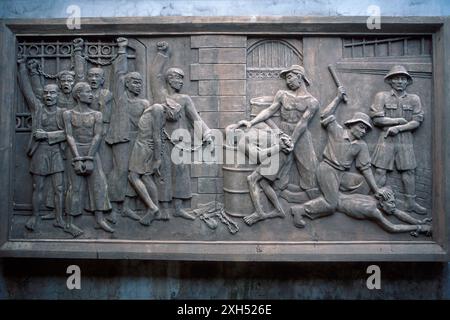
(192, 280)
(129, 8)
(33, 279)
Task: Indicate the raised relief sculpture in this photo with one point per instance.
(79, 128)
(180, 114)
(365, 207)
(213, 212)
(102, 100)
(84, 128)
(344, 147)
(270, 148)
(297, 108)
(145, 160)
(123, 130)
(66, 80)
(398, 114)
(46, 143)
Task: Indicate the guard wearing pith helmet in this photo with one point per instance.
(345, 146)
(398, 70)
(359, 117)
(398, 114)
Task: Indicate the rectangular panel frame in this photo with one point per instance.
(437, 250)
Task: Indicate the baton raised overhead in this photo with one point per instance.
(337, 81)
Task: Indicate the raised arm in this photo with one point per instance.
(157, 81)
(120, 67)
(80, 63)
(35, 78)
(331, 108)
(33, 102)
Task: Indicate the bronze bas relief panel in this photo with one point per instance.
(226, 146)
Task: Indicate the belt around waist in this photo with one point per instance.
(290, 123)
(335, 166)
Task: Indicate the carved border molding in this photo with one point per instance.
(437, 27)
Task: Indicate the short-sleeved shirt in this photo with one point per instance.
(397, 149)
(389, 104)
(341, 151)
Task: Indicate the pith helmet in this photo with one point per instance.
(295, 69)
(360, 117)
(398, 70)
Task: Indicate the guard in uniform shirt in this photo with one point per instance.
(398, 114)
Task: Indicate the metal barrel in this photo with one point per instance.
(237, 167)
(237, 200)
(258, 104)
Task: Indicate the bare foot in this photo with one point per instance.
(297, 213)
(102, 224)
(426, 221)
(59, 223)
(112, 217)
(131, 214)
(183, 214)
(73, 230)
(277, 213)
(253, 218)
(426, 230)
(31, 223)
(147, 219)
(49, 216)
(162, 215)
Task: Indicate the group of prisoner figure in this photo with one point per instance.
(77, 123)
(330, 185)
(79, 113)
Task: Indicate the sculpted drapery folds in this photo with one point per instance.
(265, 144)
(80, 127)
(102, 97)
(344, 147)
(46, 148)
(123, 130)
(297, 108)
(398, 114)
(145, 160)
(175, 182)
(84, 128)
